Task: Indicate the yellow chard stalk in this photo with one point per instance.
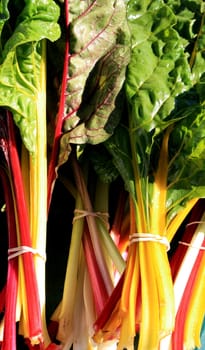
(38, 190)
(158, 226)
(34, 168)
(157, 313)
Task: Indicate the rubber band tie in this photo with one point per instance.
(195, 222)
(191, 245)
(79, 214)
(17, 251)
(149, 237)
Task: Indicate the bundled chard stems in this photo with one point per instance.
(104, 101)
(32, 327)
(24, 55)
(89, 265)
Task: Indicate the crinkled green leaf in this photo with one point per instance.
(190, 25)
(100, 52)
(185, 12)
(20, 70)
(159, 69)
(34, 24)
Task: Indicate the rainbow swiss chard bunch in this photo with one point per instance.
(24, 28)
(159, 152)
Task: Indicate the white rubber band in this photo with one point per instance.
(195, 222)
(14, 252)
(80, 213)
(191, 245)
(149, 237)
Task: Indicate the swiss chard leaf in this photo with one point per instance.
(190, 25)
(158, 70)
(100, 52)
(21, 64)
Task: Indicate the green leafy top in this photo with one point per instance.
(163, 91)
(20, 67)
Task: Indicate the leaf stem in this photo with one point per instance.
(38, 189)
(60, 116)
